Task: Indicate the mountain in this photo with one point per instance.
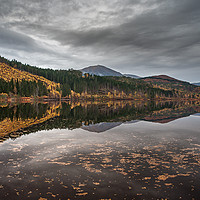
(132, 76)
(197, 84)
(197, 114)
(169, 83)
(101, 127)
(131, 122)
(100, 70)
(105, 126)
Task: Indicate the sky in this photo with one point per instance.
(141, 37)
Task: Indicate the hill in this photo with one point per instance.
(100, 70)
(24, 83)
(28, 80)
(75, 85)
(182, 88)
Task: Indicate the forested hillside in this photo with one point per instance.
(17, 82)
(181, 88)
(73, 84)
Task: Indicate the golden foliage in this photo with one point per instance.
(8, 73)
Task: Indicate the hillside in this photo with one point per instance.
(24, 83)
(100, 70)
(75, 85)
(26, 80)
(165, 82)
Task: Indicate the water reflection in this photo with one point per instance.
(114, 150)
(92, 116)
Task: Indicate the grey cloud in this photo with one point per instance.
(150, 30)
(13, 40)
(142, 36)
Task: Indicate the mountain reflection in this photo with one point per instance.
(18, 119)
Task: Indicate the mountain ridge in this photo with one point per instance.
(100, 70)
(197, 84)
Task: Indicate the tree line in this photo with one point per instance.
(23, 88)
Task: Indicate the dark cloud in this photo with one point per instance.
(143, 37)
(17, 41)
(172, 30)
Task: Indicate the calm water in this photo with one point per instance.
(114, 150)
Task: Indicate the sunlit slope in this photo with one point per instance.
(181, 88)
(9, 73)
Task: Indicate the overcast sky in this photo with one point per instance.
(142, 37)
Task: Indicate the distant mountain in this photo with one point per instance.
(131, 122)
(101, 127)
(105, 126)
(198, 84)
(170, 83)
(100, 70)
(132, 76)
(197, 114)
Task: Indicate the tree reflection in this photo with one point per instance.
(18, 119)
